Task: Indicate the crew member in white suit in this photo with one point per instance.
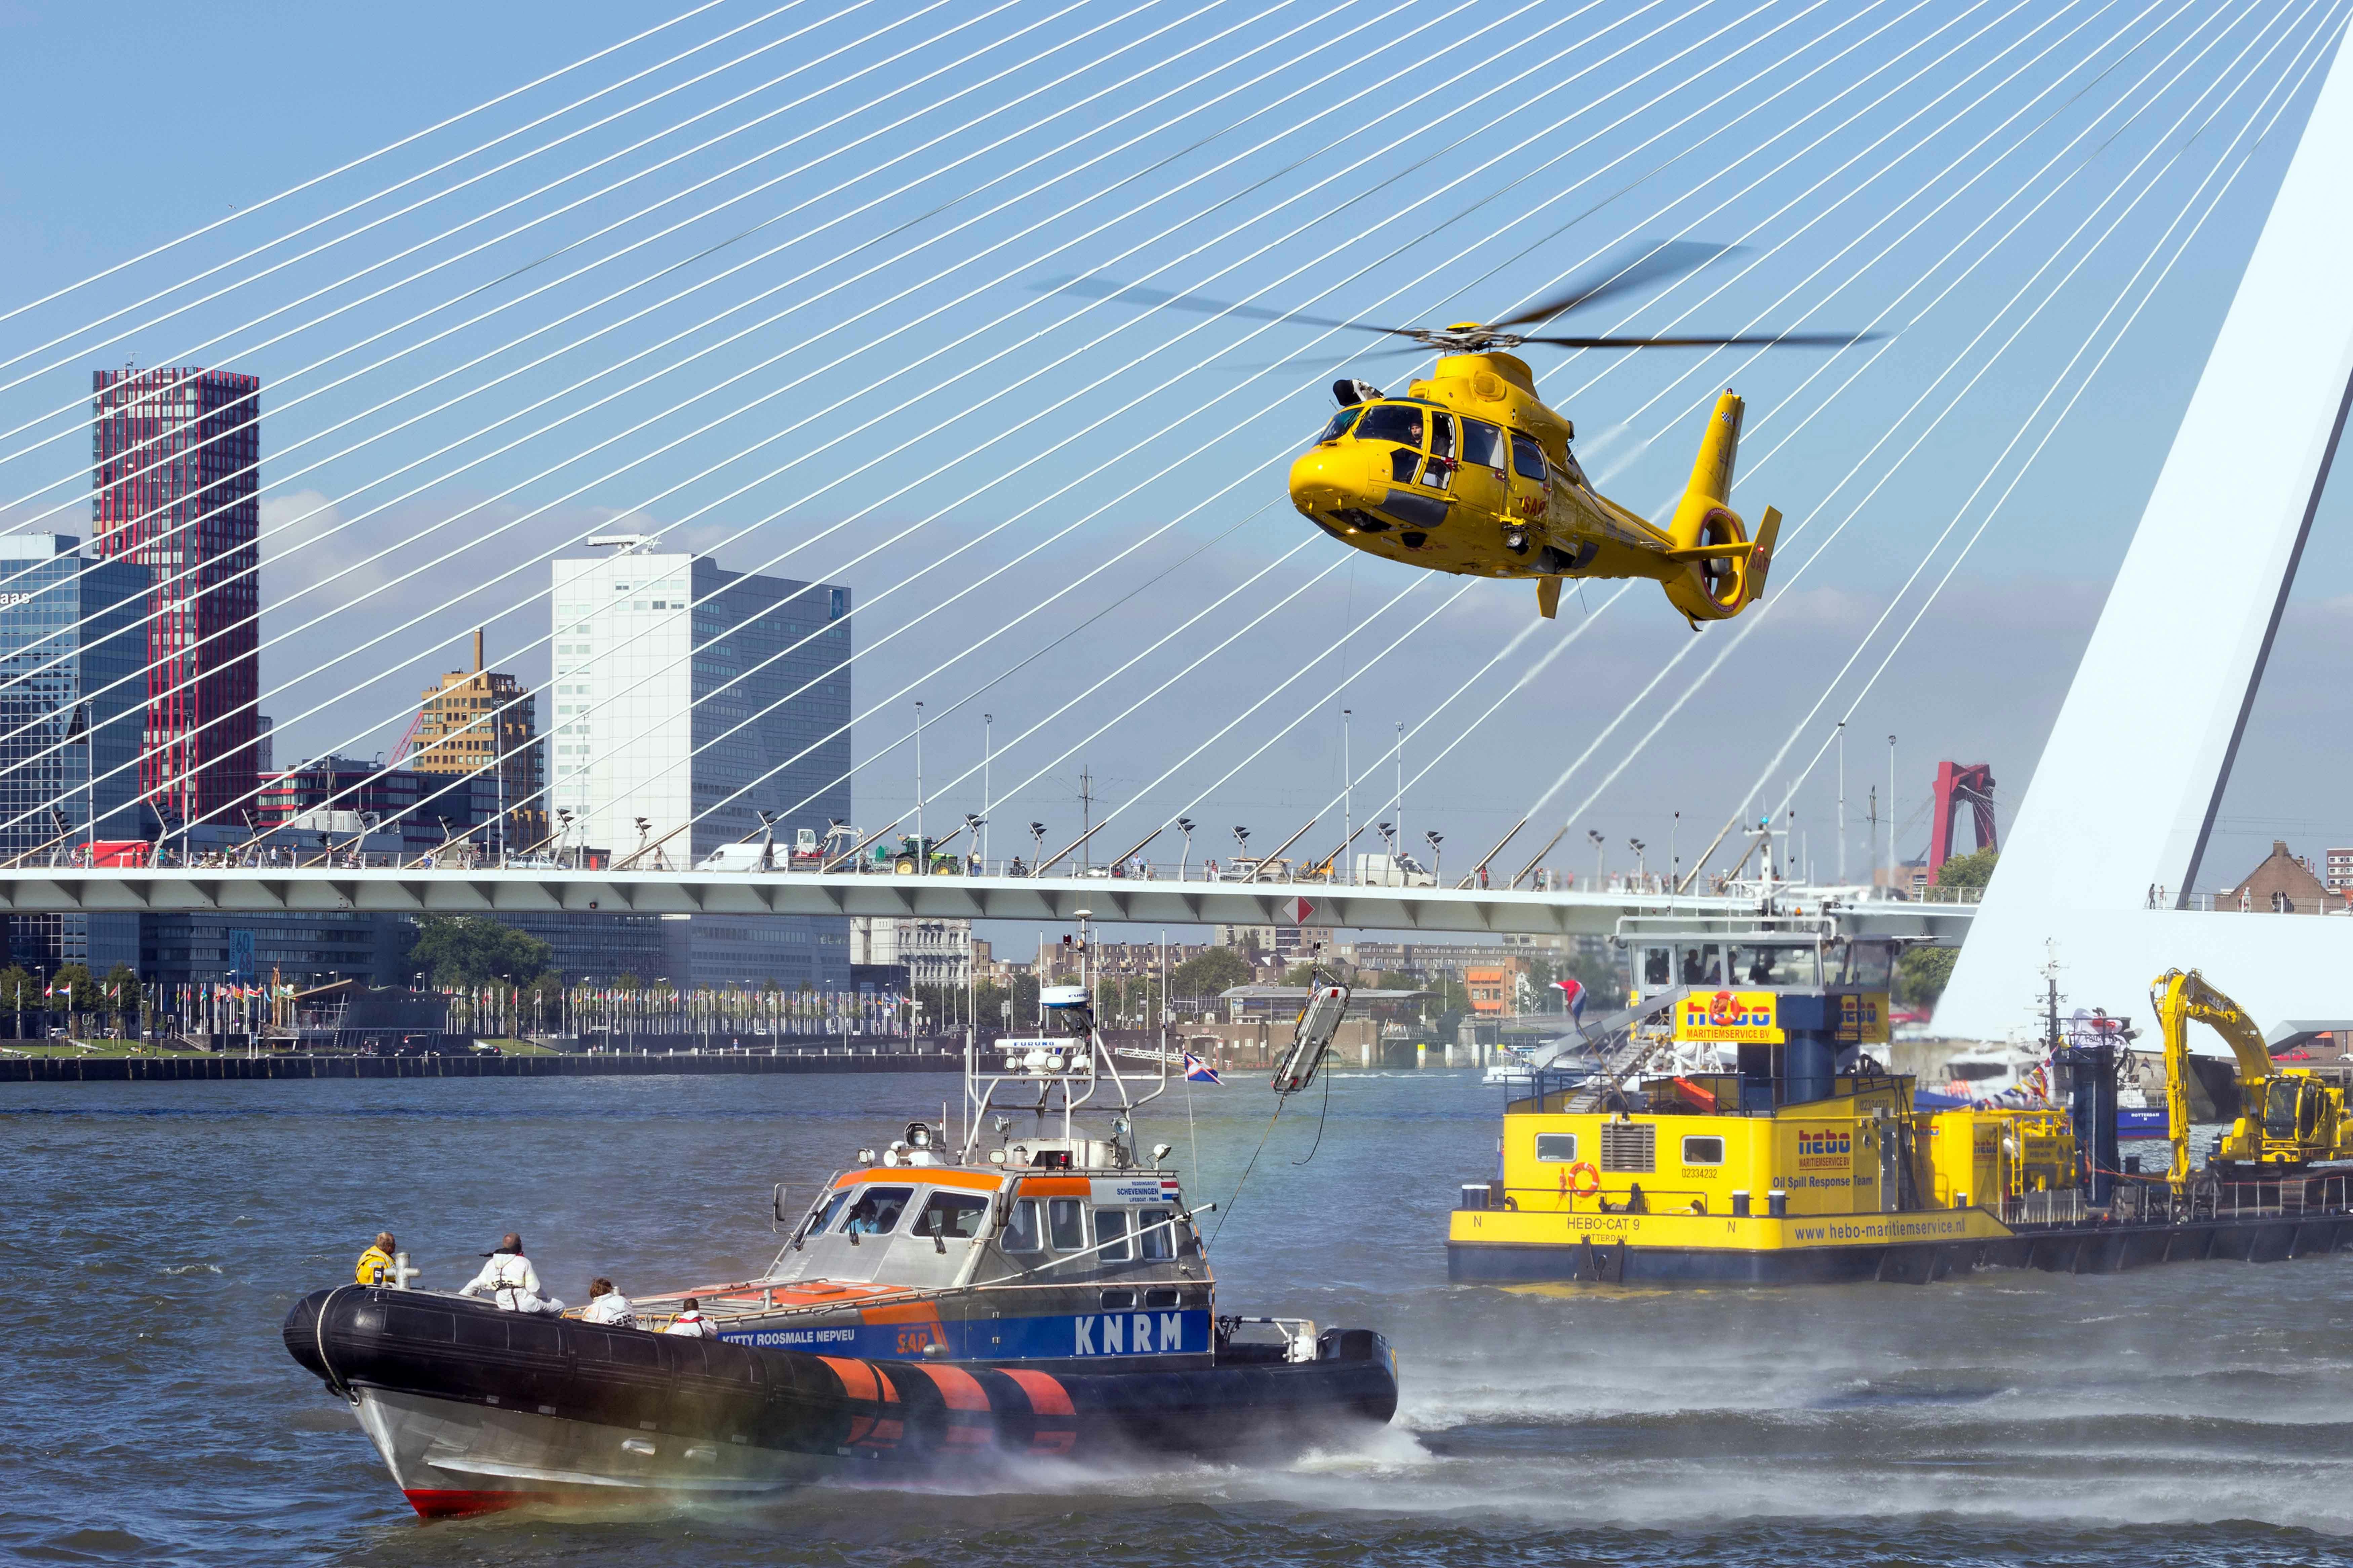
(510, 1280)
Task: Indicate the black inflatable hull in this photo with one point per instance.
(474, 1408)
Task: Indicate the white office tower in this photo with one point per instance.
(687, 699)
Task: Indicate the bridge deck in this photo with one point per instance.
(475, 892)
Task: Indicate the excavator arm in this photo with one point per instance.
(2315, 1130)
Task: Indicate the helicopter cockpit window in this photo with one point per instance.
(1398, 422)
(1527, 457)
(1340, 423)
(1439, 472)
(1483, 444)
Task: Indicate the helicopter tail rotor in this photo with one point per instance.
(1718, 570)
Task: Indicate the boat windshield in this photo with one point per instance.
(1776, 965)
(827, 1216)
(877, 1211)
(952, 1214)
(1870, 964)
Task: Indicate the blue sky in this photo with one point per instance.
(894, 400)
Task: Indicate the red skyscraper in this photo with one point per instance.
(177, 455)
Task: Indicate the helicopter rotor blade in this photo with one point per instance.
(1325, 359)
(1627, 271)
(1752, 340)
(1135, 294)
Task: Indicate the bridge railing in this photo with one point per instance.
(466, 858)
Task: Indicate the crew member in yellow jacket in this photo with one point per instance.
(376, 1263)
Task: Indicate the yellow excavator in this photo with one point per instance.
(2288, 1119)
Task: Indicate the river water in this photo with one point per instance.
(155, 1235)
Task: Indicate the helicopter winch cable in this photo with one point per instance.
(902, 328)
(2287, 90)
(249, 209)
(1725, 650)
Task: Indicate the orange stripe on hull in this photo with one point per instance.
(862, 1380)
(1049, 1400)
(965, 1398)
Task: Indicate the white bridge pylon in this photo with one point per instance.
(1053, 899)
(2111, 837)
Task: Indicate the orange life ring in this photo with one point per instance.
(1574, 1185)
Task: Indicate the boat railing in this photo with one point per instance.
(2291, 1197)
(2063, 1207)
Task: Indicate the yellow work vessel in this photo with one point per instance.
(1695, 1190)
(1733, 1128)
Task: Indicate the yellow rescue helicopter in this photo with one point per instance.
(1469, 472)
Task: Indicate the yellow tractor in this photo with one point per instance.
(2288, 1117)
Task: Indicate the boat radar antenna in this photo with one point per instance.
(1066, 1063)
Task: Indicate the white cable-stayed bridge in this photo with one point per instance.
(893, 350)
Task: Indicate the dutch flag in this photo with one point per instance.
(1572, 993)
(1199, 1071)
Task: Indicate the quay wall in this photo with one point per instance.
(213, 1069)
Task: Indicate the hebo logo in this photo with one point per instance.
(1729, 1016)
(1828, 1148)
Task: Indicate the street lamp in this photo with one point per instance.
(1435, 854)
(1599, 844)
(1037, 847)
(1241, 842)
(1185, 827)
(1638, 847)
(1891, 814)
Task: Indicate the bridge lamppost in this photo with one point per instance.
(1638, 847)
(1599, 844)
(1435, 855)
(1242, 841)
(1185, 827)
(1891, 811)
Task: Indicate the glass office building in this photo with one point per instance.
(72, 646)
